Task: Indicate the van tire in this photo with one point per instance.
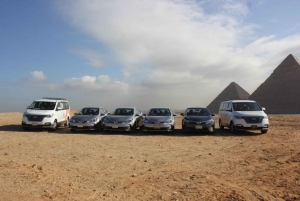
(67, 124)
(264, 131)
(54, 127)
(232, 128)
(220, 125)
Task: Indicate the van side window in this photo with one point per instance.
(224, 106)
(221, 106)
(229, 106)
(65, 105)
(58, 105)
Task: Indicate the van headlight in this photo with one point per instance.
(238, 117)
(49, 115)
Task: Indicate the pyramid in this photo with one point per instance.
(280, 93)
(232, 92)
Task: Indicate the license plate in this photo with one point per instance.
(34, 124)
(156, 126)
(79, 126)
(253, 126)
(198, 126)
(114, 126)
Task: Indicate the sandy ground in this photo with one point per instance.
(43, 165)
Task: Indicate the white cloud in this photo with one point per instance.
(91, 84)
(37, 76)
(187, 45)
(93, 57)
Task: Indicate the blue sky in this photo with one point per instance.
(174, 53)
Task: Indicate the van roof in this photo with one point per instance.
(234, 101)
(49, 99)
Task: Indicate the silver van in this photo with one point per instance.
(243, 115)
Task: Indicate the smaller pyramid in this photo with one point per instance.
(232, 92)
(280, 93)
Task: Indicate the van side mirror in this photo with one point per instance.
(27, 107)
(59, 108)
(263, 108)
(182, 114)
(213, 114)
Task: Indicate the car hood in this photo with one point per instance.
(84, 117)
(250, 113)
(118, 118)
(158, 118)
(198, 118)
(39, 112)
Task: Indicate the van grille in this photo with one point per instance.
(255, 119)
(35, 117)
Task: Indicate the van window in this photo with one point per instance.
(221, 106)
(224, 106)
(246, 106)
(65, 105)
(228, 106)
(42, 105)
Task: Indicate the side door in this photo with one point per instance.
(228, 113)
(221, 112)
(60, 112)
(67, 110)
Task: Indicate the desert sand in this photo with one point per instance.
(45, 165)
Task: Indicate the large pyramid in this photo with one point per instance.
(280, 93)
(232, 92)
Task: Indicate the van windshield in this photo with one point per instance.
(246, 106)
(42, 105)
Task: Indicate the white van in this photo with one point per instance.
(243, 114)
(46, 113)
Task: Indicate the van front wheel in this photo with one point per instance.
(232, 128)
(67, 124)
(220, 125)
(54, 126)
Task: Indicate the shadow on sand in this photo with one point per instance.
(177, 132)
